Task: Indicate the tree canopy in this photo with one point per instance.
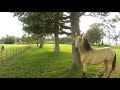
(95, 33)
(44, 23)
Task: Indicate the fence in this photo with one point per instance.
(10, 54)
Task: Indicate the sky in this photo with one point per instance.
(12, 26)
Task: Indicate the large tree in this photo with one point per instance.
(35, 23)
(44, 23)
(95, 34)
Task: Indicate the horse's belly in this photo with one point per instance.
(96, 60)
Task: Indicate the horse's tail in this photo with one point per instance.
(114, 62)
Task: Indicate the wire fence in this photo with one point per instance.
(11, 54)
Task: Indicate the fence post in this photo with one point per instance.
(10, 51)
(14, 52)
(1, 58)
(6, 57)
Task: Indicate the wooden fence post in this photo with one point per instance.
(6, 57)
(1, 58)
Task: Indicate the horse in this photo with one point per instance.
(92, 56)
(1, 48)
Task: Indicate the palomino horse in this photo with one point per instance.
(93, 56)
(1, 47)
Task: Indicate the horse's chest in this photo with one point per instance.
(84, 58)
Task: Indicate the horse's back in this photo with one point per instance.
(105, 49)
(101, 54)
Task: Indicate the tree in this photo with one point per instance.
(33, 23)
(17, 40)
(44, 22)
(26, 38)
(57, 21)
(109, 36)
(95, 34)
(8, 39)
(65, 40)
(115, 36)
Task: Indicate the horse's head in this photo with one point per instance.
(78, 40)
(81, 41)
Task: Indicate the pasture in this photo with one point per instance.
(44, 63)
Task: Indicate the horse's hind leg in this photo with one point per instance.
(108, 71)
(105, 68)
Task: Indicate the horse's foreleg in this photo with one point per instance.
(84, 70)
(107, 73)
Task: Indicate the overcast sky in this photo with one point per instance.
(12, 26)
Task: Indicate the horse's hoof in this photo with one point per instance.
(104, 77)
(99, 76)
(84, 76)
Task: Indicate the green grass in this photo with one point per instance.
(10, 50)
(44, 63)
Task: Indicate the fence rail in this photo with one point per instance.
(10, 54)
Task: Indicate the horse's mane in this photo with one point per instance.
(87, 45)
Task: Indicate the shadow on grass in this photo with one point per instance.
(58, 64)
(53, 64)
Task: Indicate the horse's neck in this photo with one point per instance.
(82, 50)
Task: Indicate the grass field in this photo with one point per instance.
(44, 63)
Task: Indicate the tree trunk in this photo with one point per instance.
(116, 42)
(109, 42)
(102, 42)
(37, 42)
(41, 42)
(109, 37)
(56, 47)
(74, 18)
(56, 31)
